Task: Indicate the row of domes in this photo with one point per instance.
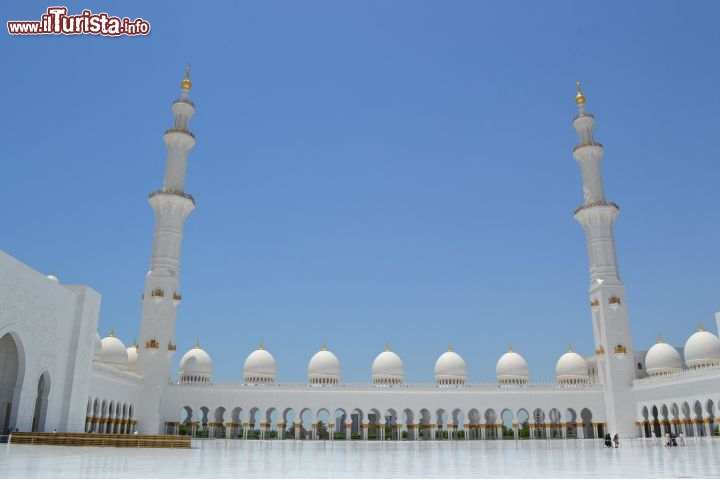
(387, 368)
(701, 349)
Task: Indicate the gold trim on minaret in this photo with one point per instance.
(186, 84)
(579, 98)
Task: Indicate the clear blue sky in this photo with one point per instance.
(372, 172)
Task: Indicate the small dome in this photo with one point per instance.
(512, 369)
(450, 369)
(132, 354)
(52, 278)
(388, 368)
(324, 368)
(571, 368)
(702, 349)
(97, 354)
(662, 359)
(195, 366)
(114, 351)
(259, 367)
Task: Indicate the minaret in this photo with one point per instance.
(161, 297)
(611, 326)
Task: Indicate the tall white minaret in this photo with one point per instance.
(161, 297)
(611, 326)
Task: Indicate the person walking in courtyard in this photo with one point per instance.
(608, 442)
(616, 440)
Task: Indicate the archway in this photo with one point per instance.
(570, 420)
(506, 416)
(490, 424)
(539, 431)
(588, 430)
(41, 402)
(523, 418)
(11, 369)
(555, 427)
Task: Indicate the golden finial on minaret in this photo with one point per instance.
(112, 332)
(450, 347)
(387, 347)
(660, 339)
(262, 346)
(579, 98)
(324, 348)
(197, 344)
(570, 349)
(510, 348)
(700, 326)
(186, 84)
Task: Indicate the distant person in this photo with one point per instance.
(682, 440)
(135, 433)
(667, 439)
(616, 440)
(673, 439)
(654, 438)
(608, 443)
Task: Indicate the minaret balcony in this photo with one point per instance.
(589, 143)
(594, 204)
(180, 130)
(176, 298)
(583, 115)
(166, 191)
(184, 100)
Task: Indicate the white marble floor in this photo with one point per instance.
(309, 459)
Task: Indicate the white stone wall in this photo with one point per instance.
(54, 328)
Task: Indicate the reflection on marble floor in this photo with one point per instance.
(310, 459)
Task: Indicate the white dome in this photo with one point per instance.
(702, 349)
(52, 278)
(450, 369)
(571, 368)
(259, 367)
(132, 357)
(512, 368)
(388, 368)
(195, 366)
(97, 354)
(114, 351)
(662, 358)
(324, 368)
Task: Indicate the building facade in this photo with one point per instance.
(57, 374)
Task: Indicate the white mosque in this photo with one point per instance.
(57, 374)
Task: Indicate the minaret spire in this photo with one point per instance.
(171, 205)
(611, 326)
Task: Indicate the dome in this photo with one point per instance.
(388, 368)
(512, 369)
(450, 369)
(132, 357)
(97, 354)
(324, 368)
(52, 278)
(702, 349)
(259, 367)
(113, 351)
(195, 366)
(662, 358)
(571, 368)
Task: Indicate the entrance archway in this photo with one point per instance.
(41, 402)
(11, 373)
